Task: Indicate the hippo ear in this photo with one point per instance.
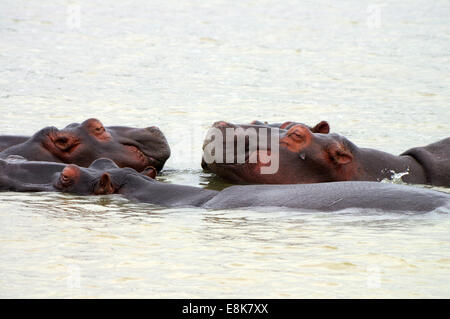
(149, 171)
(104, 185)
(323, 127)
(105, 180)
(103, 164)
(339, 155)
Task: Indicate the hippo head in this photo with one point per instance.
(103, 177)
(81, 144)
(302, 157)
(18, 174)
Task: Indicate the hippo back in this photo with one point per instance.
(332, 197)
(435, 160)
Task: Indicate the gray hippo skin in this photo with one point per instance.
(11, 140)
(105, 177)
(435, 160)
(331, 197)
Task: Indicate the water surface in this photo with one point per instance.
(378, 72)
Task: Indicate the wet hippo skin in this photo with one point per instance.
(105, 177)
(308, 157)
(435, 161)
(10, 140)
(83, 143)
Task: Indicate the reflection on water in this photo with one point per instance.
(379, 75)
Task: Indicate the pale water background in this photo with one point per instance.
(379, 72)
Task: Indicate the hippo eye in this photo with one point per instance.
(99, 130)
(100, 133)
(297, 136)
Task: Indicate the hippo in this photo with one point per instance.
(303, 156)
(104, 177)
(20, 175)
(83, 143)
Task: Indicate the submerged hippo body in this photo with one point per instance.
(303, 156)
(105, 177)
(83, 143)
(331, 197)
